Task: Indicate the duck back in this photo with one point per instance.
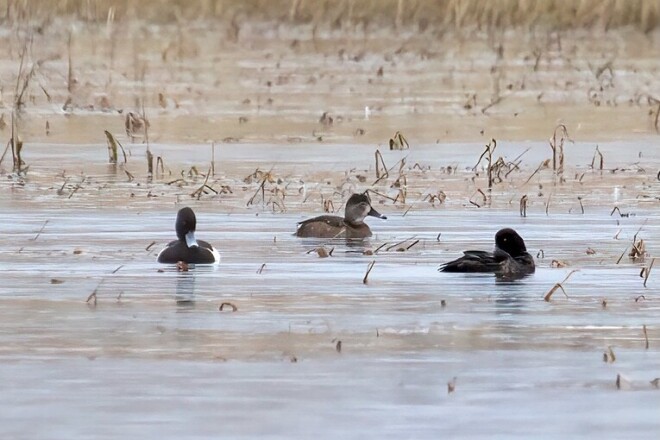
(331, 226)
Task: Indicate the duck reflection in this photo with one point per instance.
(185, 289)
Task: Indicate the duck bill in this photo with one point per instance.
(191, 242)
(377, 214)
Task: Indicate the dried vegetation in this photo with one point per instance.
(644, 14)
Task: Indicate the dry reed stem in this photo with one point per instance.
(366, 275)
(160, 165)
(523, 206)
(544, 164)
(213, 159)
(199, 191)
(609, 355)
(16, 146)
(398, 142)
(397, 15)
(646, 337)
(622, 254)
(557, 147)
(113, 143)
(379, 162)
(647, 271)
(451, 385)
(399, 243)
(380, 247)
(385, 196)
(40, 231)
(227, 304)
(412, 244)
(69, 77)
(559, 286)
(92, 296)
(488, 153)
(593, 160)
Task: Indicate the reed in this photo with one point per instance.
(398, 14)
(558, 286)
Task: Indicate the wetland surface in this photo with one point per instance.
(97, 340)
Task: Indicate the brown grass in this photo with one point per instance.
(562, 14)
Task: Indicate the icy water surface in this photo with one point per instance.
(312, 351)
(99, 341)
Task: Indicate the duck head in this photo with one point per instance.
(186, 222)
(358, 207)
(509, 241)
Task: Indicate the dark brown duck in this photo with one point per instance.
(352, 225)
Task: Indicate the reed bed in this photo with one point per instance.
(642, 14)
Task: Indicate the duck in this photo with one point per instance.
(187, 248)
(351, 226)
(510, 257)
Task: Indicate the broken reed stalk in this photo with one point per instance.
(523, 206)
(263, 193)
(69, 78)
(15, 143)
(646, 337)
(557, 147)
(412, 244)
(213, 158)
(647, 271)
(622, 254)
(92, 296)
(601, 161)
(559, 286)
(150, 155)
(398, 244)
(150, 164)
(227, 304)
(40, 231)
(488, 153)
(398, 142)
(16, 146)
(609, 355)
(381, 247)
(113, 151)
(22, 78)
(160, 165)
(451, 386)
(379, 162)
(366, 275)
(199, 191)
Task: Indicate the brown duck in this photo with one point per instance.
(352, 225)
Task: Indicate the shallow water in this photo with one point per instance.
(150, 355)
(155, 357)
